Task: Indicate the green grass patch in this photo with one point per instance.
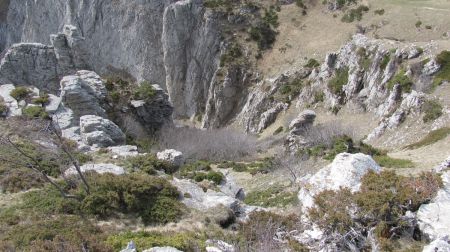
(35, 112)
(145, 91)
(404, 81)
(389, 162)
(312, 63)
(432, 137)
(272, 197)
(339, 81)
(20, 93)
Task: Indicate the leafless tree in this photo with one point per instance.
(47, 138)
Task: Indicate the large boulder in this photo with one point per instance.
(100, 132)
(303, 121)
(13, 106)
(172, 156)
(345, 171)
(99, 168)
(83, 93)
(434, 218)
(154, 112)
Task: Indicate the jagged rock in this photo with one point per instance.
(100, 132)
(434, 218)
(172, 156)
(30, 64)
(303, 121)
(124, 150)
(440, 245)
(191, 46)
(13, 106)
(443, 166)
(154, 112)
(346, 171)
(431, 67)
(99, 168)
(162, 249)
(218, 246)
(269, 117)
(83, 93)
(53, 103)
(131, 247)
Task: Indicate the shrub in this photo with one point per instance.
(148, 163)
(290, 90)
(145, 91)
(185, 241)
(312, 63)
(278, 130)
(403, 80)
(271, 17)
(19, 179)
(319, 97)
(263, 34)
(418, 23)
(234, 52)
(432, 110)
(443, 59)
(42, 100)
(432, 137)
(338, 81)
(20, 93)
(151, 198)
(379, 12)
(35, 112)
(385, 61)
(216, 177)
(353, 14)
(4, 109)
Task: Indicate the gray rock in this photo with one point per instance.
(131, 247)
(443, 166)
(100, 132)
(13, 106)
(431, 67)
(162, 249)
(84, 93)
(99, 168)
(172, 156)
(303, 121)
(124, 150)
(219, 246)
(439, 245)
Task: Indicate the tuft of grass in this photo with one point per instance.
(432, 137)
(35, 112)
(389, 162)
(145, 91)
(20, 93)
(379, 12)
(278, 130)
(339, 81)
(354, 14)
(271, 197)
(404, 81)
(432, 110)
(312, 63)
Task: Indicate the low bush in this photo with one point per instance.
(20, 93)
(418, 24)
(4, 109)
(145, 91)
(381, 203)
(354, 14)
(443, 59)
(149, 164)
(339, 81)
(14, 180)
(432, 110)
(42, 100)
(263, 34)
(432, 137)
(274, 196)
(278, 130)
(379, 12)
(35, 112)
(185, 241)
(403, 80)
(216, 177)
(312, 63)
(385, 61)
(290, 90)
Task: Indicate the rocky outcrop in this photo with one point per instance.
(172, 156)
(154, 112)
(302, 122)
(13, 108)
(100, 132)
(162, 249)
(99, 168)
(191, 45)
(434, 218)
(345, 171)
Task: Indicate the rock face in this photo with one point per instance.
(346, 171)
(172, 156)
(99, 168)
(100, 132)
(191, 43)
(434, 218)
